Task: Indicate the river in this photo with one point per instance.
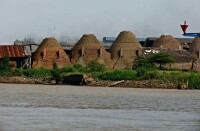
(61, 107)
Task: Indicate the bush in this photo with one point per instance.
(37, 72)
(144, 63)
(118, 75)
(80, 68)
(67, 69)
(194, 81)
(5, 67)
(56, 73)
(76, 68)
(141, 72)
(96, 67)
(18, 72)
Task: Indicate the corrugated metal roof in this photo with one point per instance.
(12, 51)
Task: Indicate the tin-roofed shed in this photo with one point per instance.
(18, 54)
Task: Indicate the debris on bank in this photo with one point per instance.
(79, 79)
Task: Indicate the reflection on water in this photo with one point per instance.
(57, 108)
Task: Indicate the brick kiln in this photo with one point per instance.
(167, 42)
(48, 52)
(124, 50)
(88, 49)
(195, 47)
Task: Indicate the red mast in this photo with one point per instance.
(184, 27)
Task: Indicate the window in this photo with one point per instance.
(57, 54)
(42, 55)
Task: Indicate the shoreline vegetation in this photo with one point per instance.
(96, 75)
(144, 74)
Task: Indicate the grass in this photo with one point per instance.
(191, 78)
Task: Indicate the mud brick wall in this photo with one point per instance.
(48, 52)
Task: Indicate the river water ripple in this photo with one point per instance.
(58, 108)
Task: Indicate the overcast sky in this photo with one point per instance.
(73, 18)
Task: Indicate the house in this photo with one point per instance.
(19, 55)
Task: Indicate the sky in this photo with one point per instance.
(68, 20)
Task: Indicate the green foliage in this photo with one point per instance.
(80, 68)
(18, 72)
(67, 69)
(36, 72)
(96, 67)
(194, 80)
(56, 73)
(76, 68)
(55, 66)
(141, 72)
(161, 59)
(5, 67)
(118, 75)
(142, 62)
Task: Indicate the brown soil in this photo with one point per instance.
(21, 80)
(100, 83)
(136, 84)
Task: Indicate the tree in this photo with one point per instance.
(56, 73)
(96, 67)
(5, 67)
(161, 59)
(142, 62)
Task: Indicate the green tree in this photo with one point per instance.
(142, 62)
(56, 73)
(161, 59)
(96, 67)
(5, 67)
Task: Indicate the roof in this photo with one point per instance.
(152, 38)
(12, 51)
(180, 56)
(49, 42)
(88, 41)
(125, 40)
(185, 40)
(168, 42)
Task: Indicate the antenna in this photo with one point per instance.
(54, 28)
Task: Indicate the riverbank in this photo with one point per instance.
(95, 83)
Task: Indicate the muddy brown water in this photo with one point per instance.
(59, 107)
